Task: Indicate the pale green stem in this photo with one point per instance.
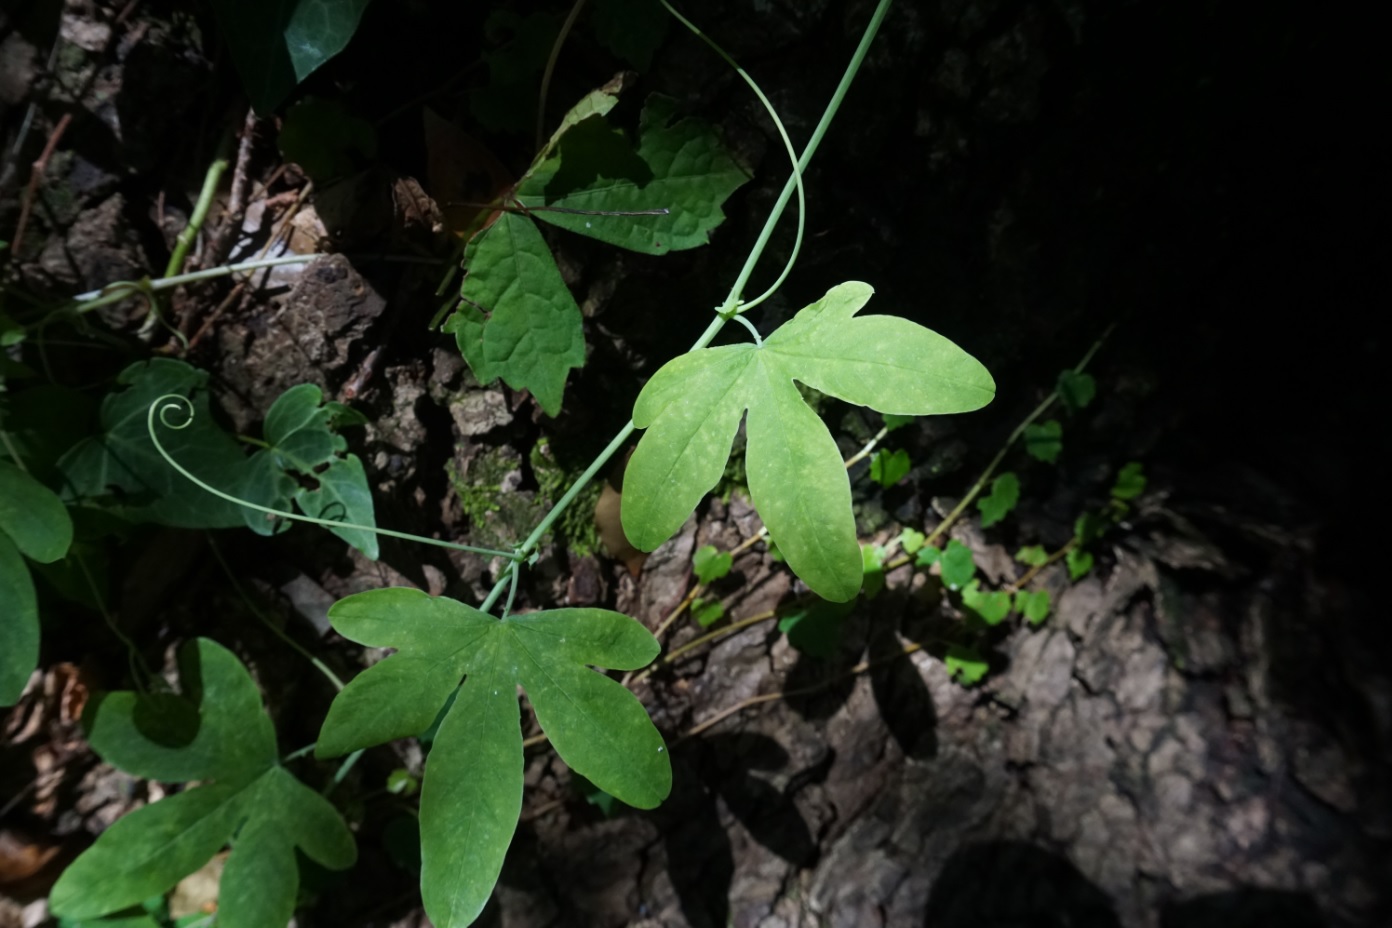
(528, 547)
(171, 401)
(105, 295)
(266, 621)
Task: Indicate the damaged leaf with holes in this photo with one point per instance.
(471, 795)
(692, 408)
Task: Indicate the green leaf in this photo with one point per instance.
(1076, 391)
(965, 664)
(518, 320)
(893, 422)
(1044, 441)
(692, 407)
(309, 464)
(631, 29)
(681, 166)
(1130, 482)
(1005, 493)
(990, 606)
(1032, 556)
(706, 612)
(928, 555)
(872, 570)
(911, 540)
(815, 628)
(1089, 527)
(33, 516)
(276, 44)
(888, 468)
(1079, 563)
(957, 565)
(472, 790)
(400, 782)
(222, 738)
(19, 623)
(120, 467)
(1034, 606)
(710, 565)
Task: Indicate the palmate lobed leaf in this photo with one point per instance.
(300, 431)
(517, 320)
(228, 741)
(472, 791)
(692, 407)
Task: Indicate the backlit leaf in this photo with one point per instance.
(1032, 555)
(691, 409)
(991, 606)
(889, 467)
(517, 320)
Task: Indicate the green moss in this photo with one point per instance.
(576, 526)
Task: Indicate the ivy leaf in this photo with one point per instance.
(219, 735)
(1034, 606)
(1005, 493)
(309, 464)
(957, 565)
(275, 44)
(815, 628)
(710, 565)
(472, 790)
(1130, 482)
(893, 422)
(911, 540)
(990, 606)
(1044, 441)
(1079, 563)
(33, 523)
(706, 612)
(120, 466)
(1032, 556)
(928, 555)
(1075, 390)
(965, 664)
(692, 408)
(1089, 527)
(888, 468)
(681, 166)
(517, 320)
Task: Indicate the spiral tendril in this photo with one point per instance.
(164, 406)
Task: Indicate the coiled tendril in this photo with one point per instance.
(166, 406)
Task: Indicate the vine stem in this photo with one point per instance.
(1036, 570)
(990, 470)
(732, 301)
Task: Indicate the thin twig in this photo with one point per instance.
(1038, 568)
(35, 177)
(221, 245)
(551, 69)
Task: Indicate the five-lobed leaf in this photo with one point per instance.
(303, 445)
(471, 795)
(222, 736)
(711, 564)
(692, 407)
(517, 320)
